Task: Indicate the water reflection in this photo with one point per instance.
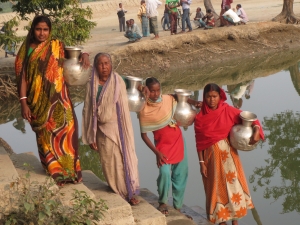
(237, 91)
(282, 134)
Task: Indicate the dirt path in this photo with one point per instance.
(107, 38)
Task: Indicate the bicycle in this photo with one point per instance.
(179, 19)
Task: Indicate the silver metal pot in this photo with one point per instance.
(184, 113)
(136, 100)
(240, 134)
(74, 74)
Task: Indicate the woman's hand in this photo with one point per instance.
(255, 136)
(144, 90)
(198, 104)
(94, 146)
(84, 58)
(203, 169)
(26, 113)
(160, 159)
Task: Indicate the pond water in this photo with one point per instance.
(273, 169)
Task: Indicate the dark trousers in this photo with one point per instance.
(122, 23)
(186, 19)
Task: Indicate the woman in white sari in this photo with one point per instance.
(107, 128)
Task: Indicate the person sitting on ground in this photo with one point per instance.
(198, 17)
(230, 17)
(208, 21)
(242, 14)
(133, 32)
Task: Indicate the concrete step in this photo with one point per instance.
(8, 173)
(119, 211)
(38, 175)
(145, 214)
(175, 217)
(37, 172)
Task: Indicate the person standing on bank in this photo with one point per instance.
(142, 15)
(107, 128)
(171, 153)
(227, 193)
(166, 18)
(45, 101)
(152, 15)
(186, 15)
(172, 6)
(121, 15)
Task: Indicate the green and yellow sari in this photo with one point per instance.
(54, 120)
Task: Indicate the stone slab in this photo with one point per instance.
(175, 217)
(145, 214)
(8, 173)
(119, 211)
(68, 190)
(37, 172)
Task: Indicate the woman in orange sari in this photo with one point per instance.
(45, 101)
(225, 185)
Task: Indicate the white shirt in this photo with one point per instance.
(230, 13)
(186, 5)
(151, 7)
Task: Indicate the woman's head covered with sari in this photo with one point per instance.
(216, 118)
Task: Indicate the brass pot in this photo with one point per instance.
(240, 134)
(184, 113)
(74, 73)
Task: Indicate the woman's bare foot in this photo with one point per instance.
(188, 216)
(235, 222)
(163, 208)
(134, 201)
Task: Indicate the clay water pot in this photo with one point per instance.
(240, 134)
(136, 100)
(74, 73)
(184, 113)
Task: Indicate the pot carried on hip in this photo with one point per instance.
(240, 134)
(184, 113)
(74, 73)
(136, 100)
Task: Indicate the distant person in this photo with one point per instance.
(142, 15)
(121, 15)
(208, 21)
(133, 32)
(242, 14)
(230, 17)
(223, 4)
(198, 17)
(166, 18)
(152, 14)
(186, 15)
(249, 89)
(173, 11)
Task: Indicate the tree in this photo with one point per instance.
(287, 14)
(282, 133)
(71, 23)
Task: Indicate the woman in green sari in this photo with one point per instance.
(45, 101)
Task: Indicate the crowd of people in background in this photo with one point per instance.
(148, 16)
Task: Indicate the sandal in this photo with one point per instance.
(163, 208)
(134, 201)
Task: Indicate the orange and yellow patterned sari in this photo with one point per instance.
(54, 120)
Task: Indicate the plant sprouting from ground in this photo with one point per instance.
(29, 202)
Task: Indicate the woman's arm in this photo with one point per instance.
(255, 136)
(197, 104)
(84, 58)
(203, 168)
(160, 158)
(26, 113)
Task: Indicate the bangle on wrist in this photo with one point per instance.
(22, 98)
(201, 161)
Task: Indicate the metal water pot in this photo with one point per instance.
(136, 100)
(240, 134)
(74, 74)
(184, 113)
